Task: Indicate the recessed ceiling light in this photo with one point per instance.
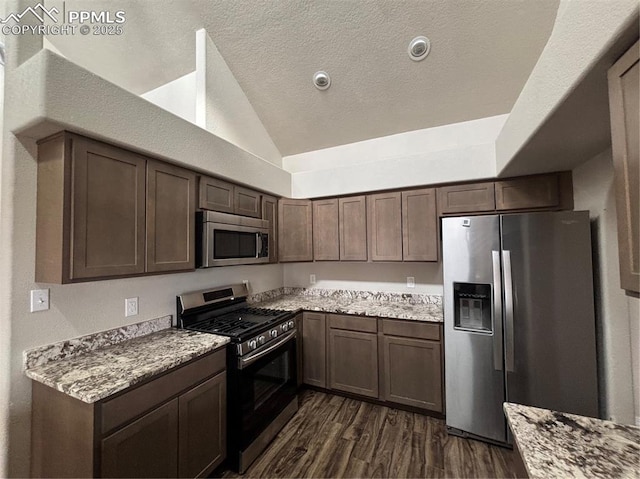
(321, 80)
(419, 48)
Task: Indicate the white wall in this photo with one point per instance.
(617, 313)
(177, 96)
(222, 106)
(391, 277)
(457, 152)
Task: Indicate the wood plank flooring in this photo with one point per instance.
(333, 436)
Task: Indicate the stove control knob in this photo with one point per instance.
(274, 333)
(261, 340)
(284, 327)
(252, 344)
(290, 324)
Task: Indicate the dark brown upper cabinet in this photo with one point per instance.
(384, 226)
(474, 197)
(326, 235)
(218, 195)
(419, 225)
(295, 230)
(171, 207)
(528, 192)
(270, 213)
(352, 215)
(624, 82)
(105, 212)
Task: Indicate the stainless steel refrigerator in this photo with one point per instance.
(519, 318)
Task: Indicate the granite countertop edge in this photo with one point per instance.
(566, 444)
(113, 377)
(359, 307)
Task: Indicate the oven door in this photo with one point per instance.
(266, 384)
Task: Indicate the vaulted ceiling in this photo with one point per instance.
(482, 52)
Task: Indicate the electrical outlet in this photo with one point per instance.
(411, 282)
(312, 279)
(39, 300)
(131, 306)
(246, 283)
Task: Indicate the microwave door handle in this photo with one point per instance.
(258, 244)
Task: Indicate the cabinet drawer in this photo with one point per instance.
(131, 404)
(411, 329)
(353, 323)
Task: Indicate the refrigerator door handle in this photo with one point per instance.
(508, 311)
(497, 312)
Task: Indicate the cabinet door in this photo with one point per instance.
(270, 213)
(472, 198)
(147, 447)
(419, 225)
(353, 228)
(624, 78)
(384, 226)
(171, 209)
(529, 192)
(412, 372)
(216, 195)
(326, 237)
(353, 362)
(108, 211)
(246, 202)
(203, 427)
(314, 352)
(295, 230)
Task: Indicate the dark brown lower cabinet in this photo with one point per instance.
(173, 425)
(314, 350)
(136, 451)
(353, 362)
(412, 371)
(390, 360)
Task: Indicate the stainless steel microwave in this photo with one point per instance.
(224, 240)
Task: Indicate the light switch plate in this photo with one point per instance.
(312, 279)
(39, 300)
(131, 306)
(411, 282)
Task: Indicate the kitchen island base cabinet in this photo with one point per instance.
(314, 349)
(174, 425)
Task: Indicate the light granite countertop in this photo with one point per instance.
(364, 307)
(554, 444)
(99, 373)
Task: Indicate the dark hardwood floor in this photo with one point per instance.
(333, 436)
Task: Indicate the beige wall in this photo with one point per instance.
(617, 313)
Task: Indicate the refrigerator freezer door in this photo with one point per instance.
(474, 375)
(548, 289)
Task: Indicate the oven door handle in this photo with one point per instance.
(249, 360)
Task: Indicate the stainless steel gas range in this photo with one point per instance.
(261, 365)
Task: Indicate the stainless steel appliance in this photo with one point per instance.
(261, 365)
(519, 318)
(223, 239)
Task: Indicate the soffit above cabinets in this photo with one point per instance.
(481, 56)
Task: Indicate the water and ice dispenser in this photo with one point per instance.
(472, 307)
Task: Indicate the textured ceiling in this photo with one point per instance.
(482, 53)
